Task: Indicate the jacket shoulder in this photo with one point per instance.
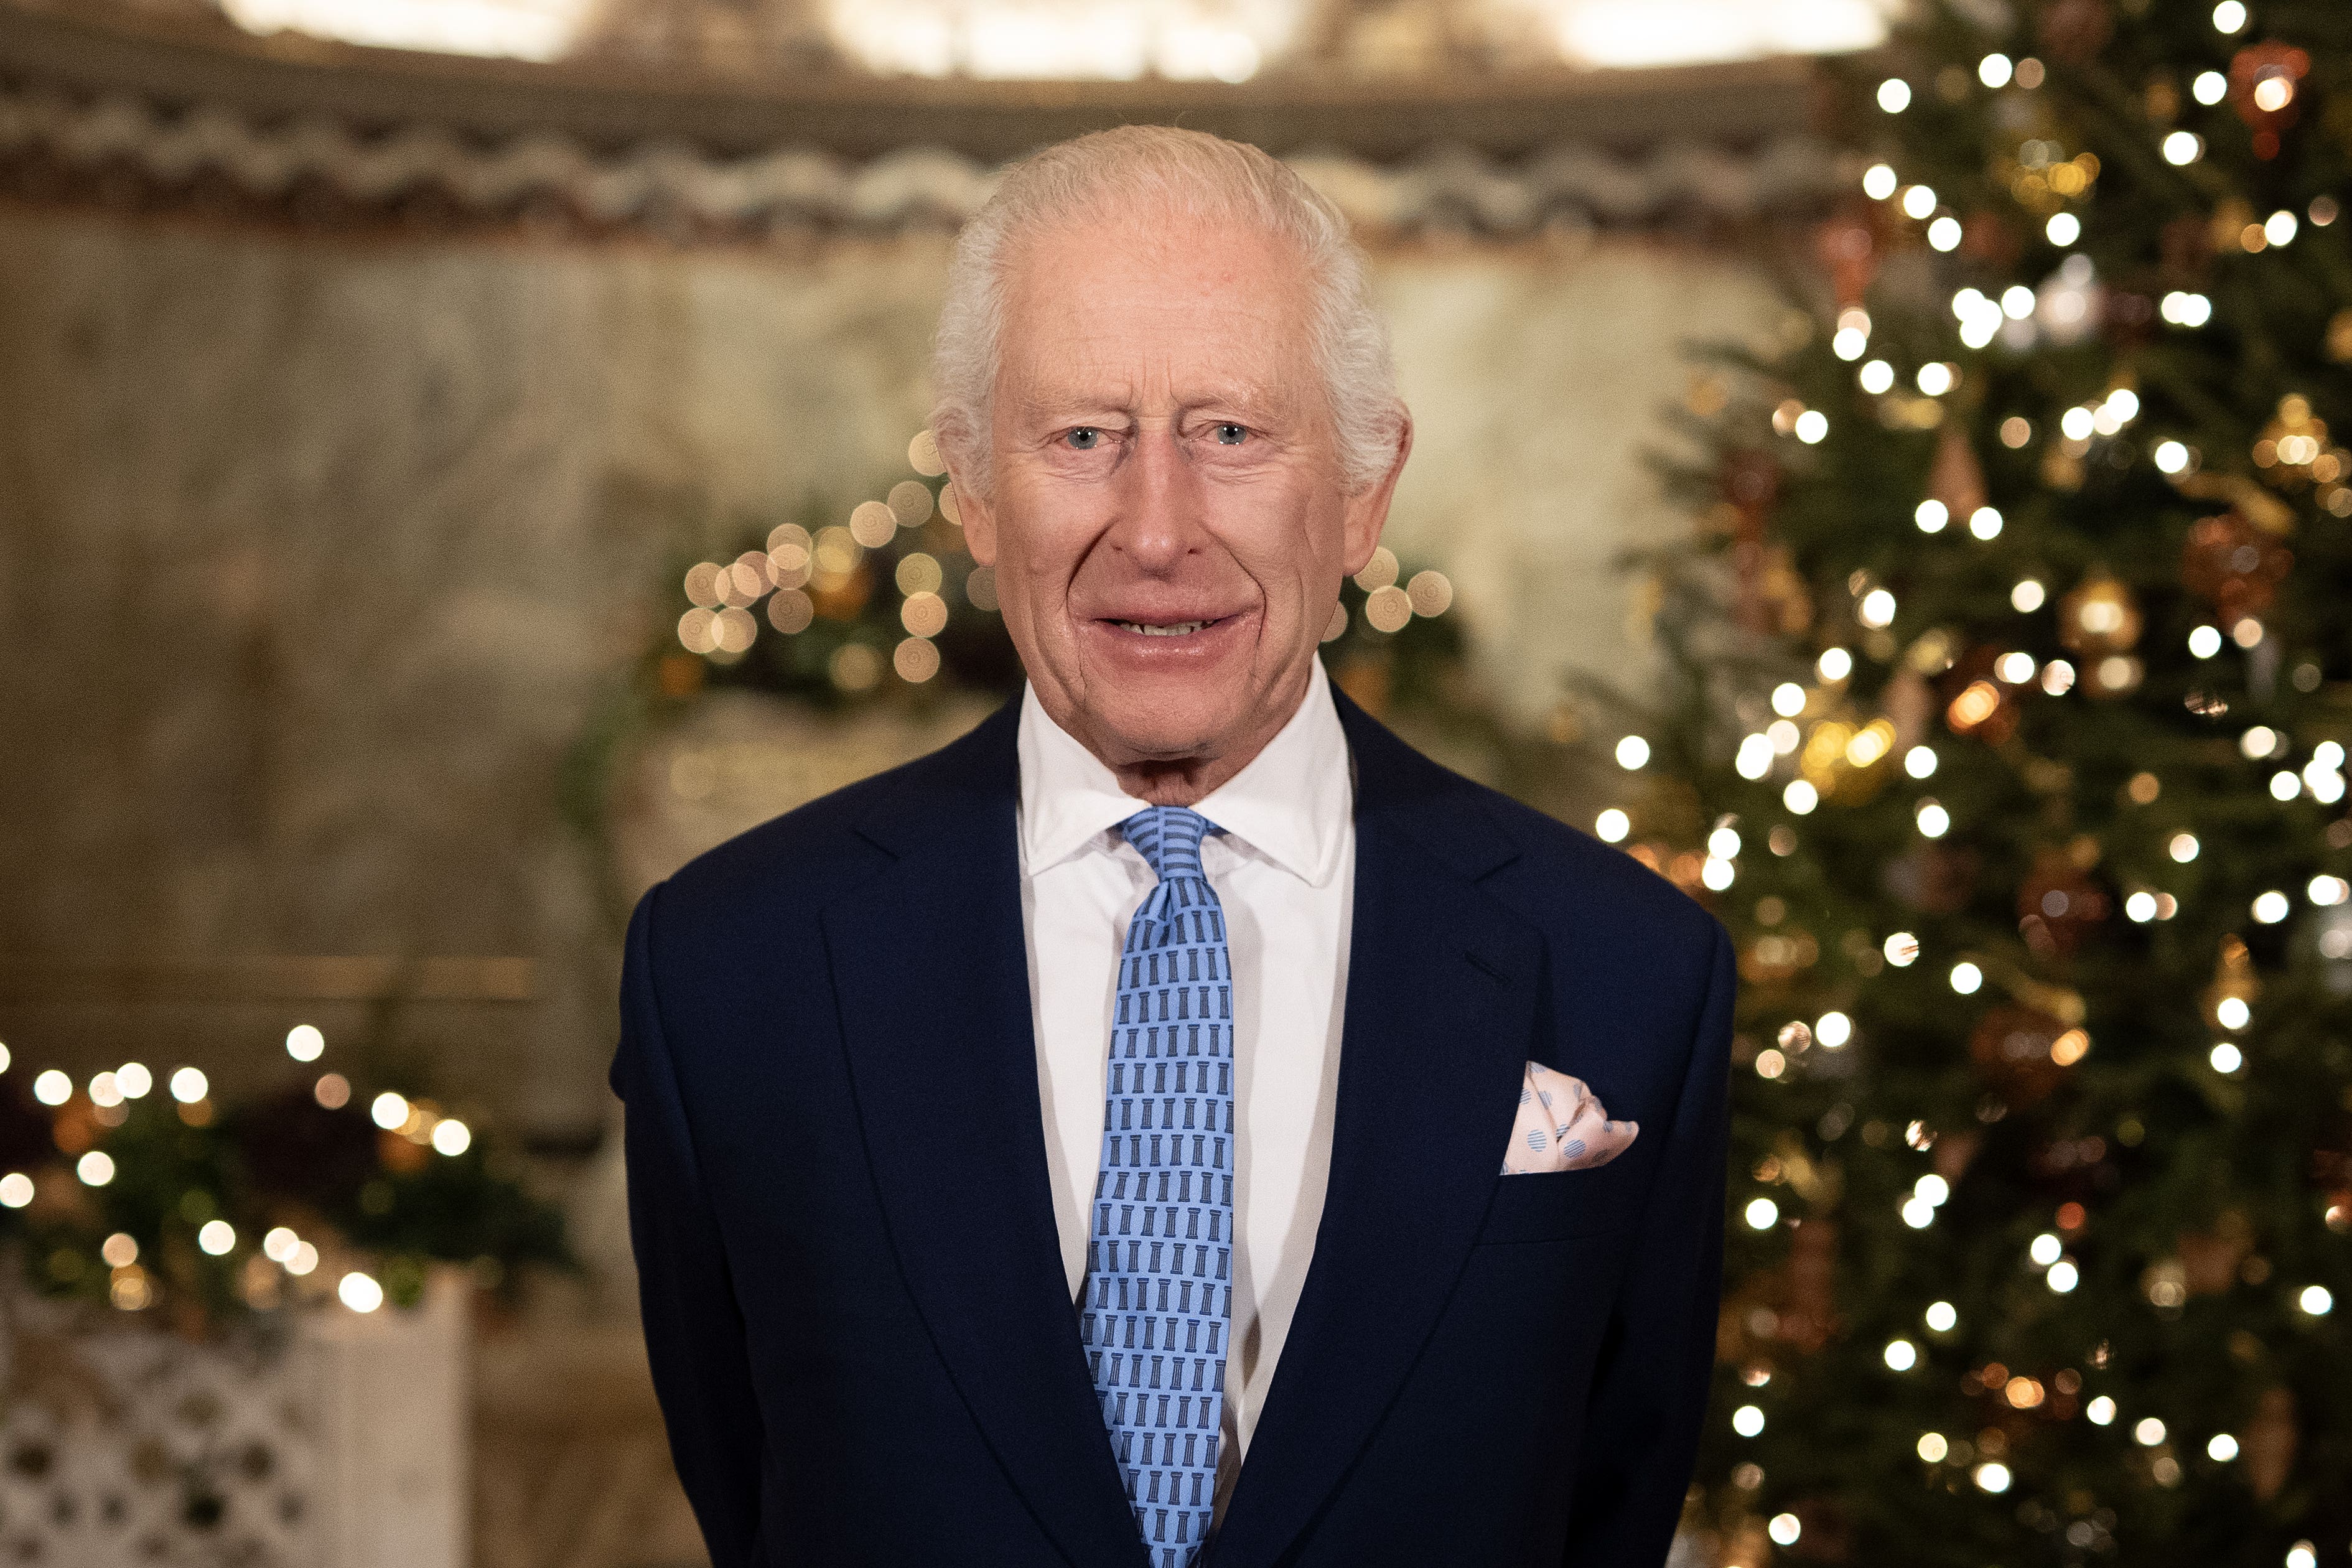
(802, 856)
(1563, 879)
(1557, 853)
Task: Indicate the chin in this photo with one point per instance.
(1164, 720)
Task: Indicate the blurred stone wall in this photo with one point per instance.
(316, 554)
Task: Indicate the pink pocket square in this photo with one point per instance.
(1562, 1126)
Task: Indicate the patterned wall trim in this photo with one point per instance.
(126, 150)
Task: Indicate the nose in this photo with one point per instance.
(1157, 516)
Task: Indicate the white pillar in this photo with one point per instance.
(389, 1393)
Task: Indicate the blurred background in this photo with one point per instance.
(382, 381)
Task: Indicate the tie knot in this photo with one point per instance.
(1169, 839)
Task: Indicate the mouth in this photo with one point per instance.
(1155, 642)
(1166, 628)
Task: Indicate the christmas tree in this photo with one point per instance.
(2013, 684)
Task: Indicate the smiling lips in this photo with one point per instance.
(1165, 629)
(1149, 640)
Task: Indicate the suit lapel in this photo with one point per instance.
(1441, 997)
(930, 973)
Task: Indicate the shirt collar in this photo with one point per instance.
(1290, 803)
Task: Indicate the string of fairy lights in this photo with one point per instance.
(1819, 752)
(106, 1099)
(805, 575)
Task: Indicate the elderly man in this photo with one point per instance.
(1175, 1124)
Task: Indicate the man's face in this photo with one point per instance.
(1168, 521)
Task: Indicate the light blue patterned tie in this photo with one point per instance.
(1158, 1291)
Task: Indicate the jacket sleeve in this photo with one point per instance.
(693, 1330)
(1650, 1390)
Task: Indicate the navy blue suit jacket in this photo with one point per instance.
(853, 1290)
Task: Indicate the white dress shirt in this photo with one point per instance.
(1283, 866)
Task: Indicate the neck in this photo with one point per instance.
(1187, 780)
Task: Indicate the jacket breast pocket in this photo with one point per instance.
(1545, 1205)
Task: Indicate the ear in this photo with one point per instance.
(979, 519)
(1368, 508)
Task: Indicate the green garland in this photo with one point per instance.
(210, 1214)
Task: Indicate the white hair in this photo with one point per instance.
(1194, 175)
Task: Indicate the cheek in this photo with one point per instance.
(1291, 551)
(1033, 564)
(1022, 598)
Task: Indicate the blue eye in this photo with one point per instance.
(1086, 438)
(1231, 435)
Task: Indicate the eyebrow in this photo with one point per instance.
(1047, 403)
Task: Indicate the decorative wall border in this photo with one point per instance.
(128, 150)
(98, 104)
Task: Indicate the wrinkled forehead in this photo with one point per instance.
(1154, 298)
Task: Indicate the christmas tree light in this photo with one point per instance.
(2036, 1260)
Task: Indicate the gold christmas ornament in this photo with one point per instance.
(1846, 761)
(2293, 448)
(1977, 708)
(2040, 176)
(2099, 617)
(1976, 703)
(1932, 654)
